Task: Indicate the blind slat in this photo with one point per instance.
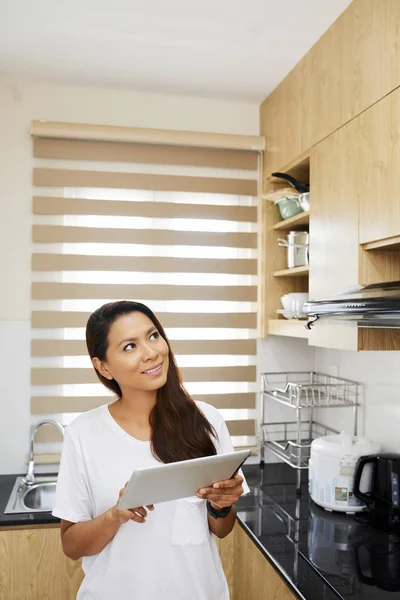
(157, 237)
(202, 347)
(243, 427)
(43, 319)
(144, 181)
(64, 291)
(153, 264)
(51, 205)
(145, 153)
(73, 404)
(64, 376)
(54, 459)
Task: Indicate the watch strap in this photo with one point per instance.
(220, 513)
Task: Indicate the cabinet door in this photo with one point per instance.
(34, 567)
(379, 170)
(334, 244)
(254, 577)
(225, 548)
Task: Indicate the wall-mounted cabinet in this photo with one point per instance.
(354, 226)
(352, 66)
(334, 247)
(379, 172)
(335, 120)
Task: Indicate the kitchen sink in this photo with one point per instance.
(38, 497)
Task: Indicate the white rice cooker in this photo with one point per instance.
(331, 471)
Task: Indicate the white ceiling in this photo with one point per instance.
(234, 49)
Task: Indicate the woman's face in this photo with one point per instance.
(137, 355)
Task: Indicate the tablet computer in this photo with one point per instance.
(179, 479)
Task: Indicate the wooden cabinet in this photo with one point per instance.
(353, 176)
(226, 552)
(34, 567)
(352, 66)
(334, 245)
(379, 170)
(254, 577)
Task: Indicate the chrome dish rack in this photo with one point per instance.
(304, 392)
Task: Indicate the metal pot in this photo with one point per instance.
(304, 201)
(297, 243)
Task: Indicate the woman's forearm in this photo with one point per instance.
(222, 527)
(89, 537)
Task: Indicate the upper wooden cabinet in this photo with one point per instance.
(334, 248)
(353, 65)
(354, 199)
(379, 169)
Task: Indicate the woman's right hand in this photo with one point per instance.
(137, 514)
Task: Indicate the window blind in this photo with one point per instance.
(170, 226)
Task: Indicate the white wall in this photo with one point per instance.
(379, 373)
(21, 102)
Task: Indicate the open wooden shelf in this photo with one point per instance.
(288, 327)
(296, 222)
(298, 168)
(278, 280)
(295, 272)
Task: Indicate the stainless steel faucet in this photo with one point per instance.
(30, 477)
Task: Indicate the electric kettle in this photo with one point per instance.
(382, 499)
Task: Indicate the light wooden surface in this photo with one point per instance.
(273, 259)
(254, 577)
(226, 552)
(379, 339)
(378, 266)
(295, 272)
(288, 328)
(379, 161)
(391, 243)
(33, 566)
(299, 221)
(116, 133)
(352, 66)
(334, 244)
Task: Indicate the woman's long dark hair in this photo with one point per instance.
(179, 429)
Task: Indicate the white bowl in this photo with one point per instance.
(289, 300)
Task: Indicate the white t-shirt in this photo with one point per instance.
(173, 555)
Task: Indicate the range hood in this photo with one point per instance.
(370, 306)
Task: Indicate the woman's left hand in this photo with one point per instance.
(223, 493)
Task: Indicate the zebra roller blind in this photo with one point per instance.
(171, 226)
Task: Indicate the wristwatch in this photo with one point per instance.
(218, 514)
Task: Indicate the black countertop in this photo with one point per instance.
(321, 555)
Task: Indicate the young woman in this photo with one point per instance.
(157, 552)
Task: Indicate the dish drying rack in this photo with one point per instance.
(304, 392)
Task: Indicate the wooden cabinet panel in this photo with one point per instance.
(334, 246)
(34, 567)
(254, 577)
(379, 170)
(354, 64)
(225, 548)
